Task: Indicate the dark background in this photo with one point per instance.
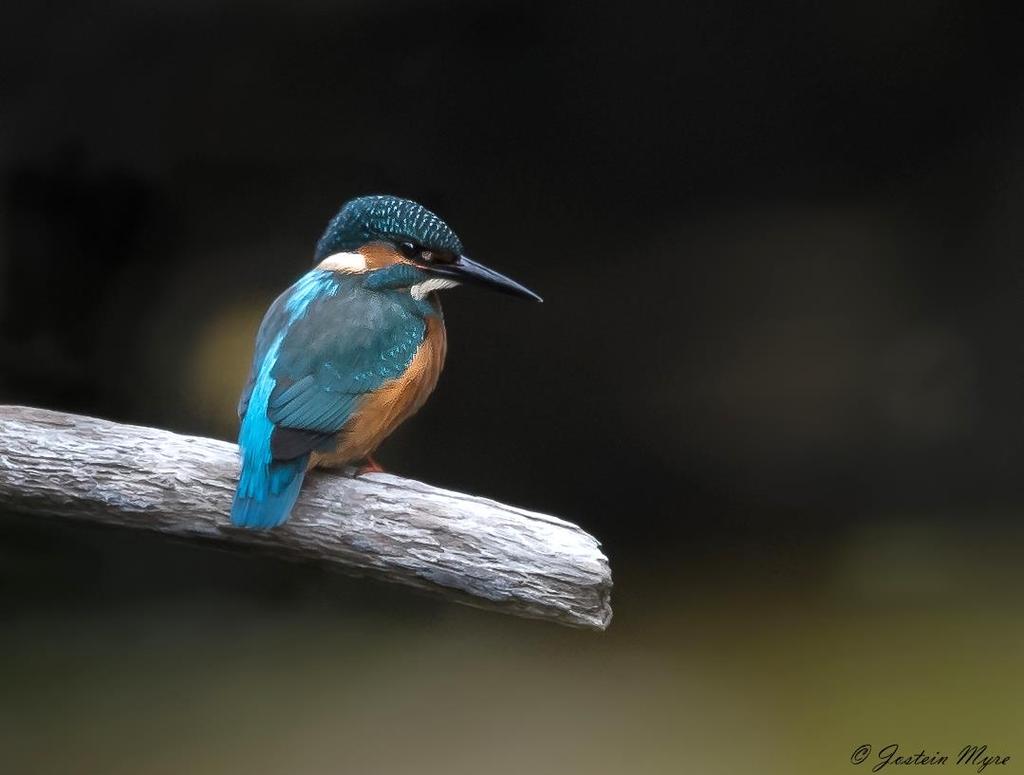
(777, 372)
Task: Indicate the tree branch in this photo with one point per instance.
(460, 547)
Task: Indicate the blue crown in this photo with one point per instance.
(389, 218)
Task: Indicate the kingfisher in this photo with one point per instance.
(350, 351)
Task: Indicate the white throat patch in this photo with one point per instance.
(344, 262)
(420, 290)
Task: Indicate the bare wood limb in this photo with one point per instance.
(463, 548)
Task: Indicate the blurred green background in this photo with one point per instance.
(777, 372)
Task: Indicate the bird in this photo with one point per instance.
(350, 351)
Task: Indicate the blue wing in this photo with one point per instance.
(323, 345)
(347, 346)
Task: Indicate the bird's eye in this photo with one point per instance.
(422, 255)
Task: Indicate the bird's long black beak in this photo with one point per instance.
(466, 270)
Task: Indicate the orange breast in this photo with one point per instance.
(394, 402)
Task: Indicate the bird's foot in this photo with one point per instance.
(370, 466)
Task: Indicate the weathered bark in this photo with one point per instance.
(463, 548)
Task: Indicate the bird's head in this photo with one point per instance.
(409, 243)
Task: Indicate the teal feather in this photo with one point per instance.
(267, 488)
(343, 349)
(324, 345)
(265, 501)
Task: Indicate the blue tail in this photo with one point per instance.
(266, 493)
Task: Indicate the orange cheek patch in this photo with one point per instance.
(379, 255)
